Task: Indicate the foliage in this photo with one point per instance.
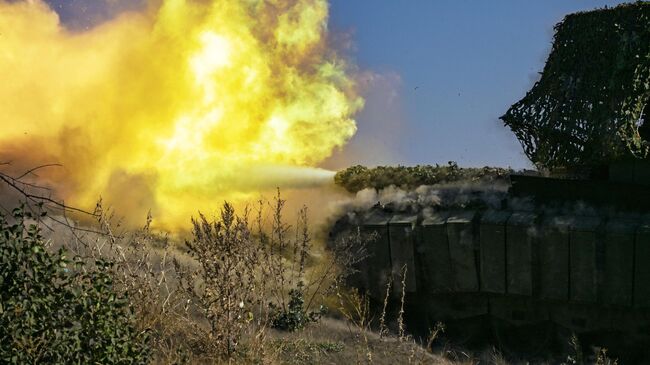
(53, 310)
(296, 317)
(586, 109)
(359, 177)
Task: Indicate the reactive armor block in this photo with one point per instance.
(462, 244)
(492, 237)
(432, 255)
(402, 233)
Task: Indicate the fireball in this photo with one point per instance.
(177, 107)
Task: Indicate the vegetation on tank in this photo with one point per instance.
(587, 108)
(359, 177)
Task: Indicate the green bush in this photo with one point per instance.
(296, 316)
(53, 310)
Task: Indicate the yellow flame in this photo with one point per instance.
(176, 107)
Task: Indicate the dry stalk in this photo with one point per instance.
(383, 329)
(400, 316)
(603, 359)
(356, 310)
(433, 334)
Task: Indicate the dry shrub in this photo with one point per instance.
(143, 269)
(226, 285)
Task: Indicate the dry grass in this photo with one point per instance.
(337, 342)
(218, 300)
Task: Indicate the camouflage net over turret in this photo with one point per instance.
(587, 107)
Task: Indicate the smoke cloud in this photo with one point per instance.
(175, 107)
(427, 198)
(382, 123)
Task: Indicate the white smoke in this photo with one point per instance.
(426, 198)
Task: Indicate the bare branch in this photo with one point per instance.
(31, 171)
(14, 183)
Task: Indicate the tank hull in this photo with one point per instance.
(496, 273)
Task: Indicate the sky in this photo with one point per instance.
(458, 65)
(436, 75)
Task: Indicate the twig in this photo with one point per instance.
(400, 317)
(38, 168)
(383, 330)
(21, 186)
(13, 182)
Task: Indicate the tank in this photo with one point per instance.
(565, 250)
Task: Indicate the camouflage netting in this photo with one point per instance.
(587, 107)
